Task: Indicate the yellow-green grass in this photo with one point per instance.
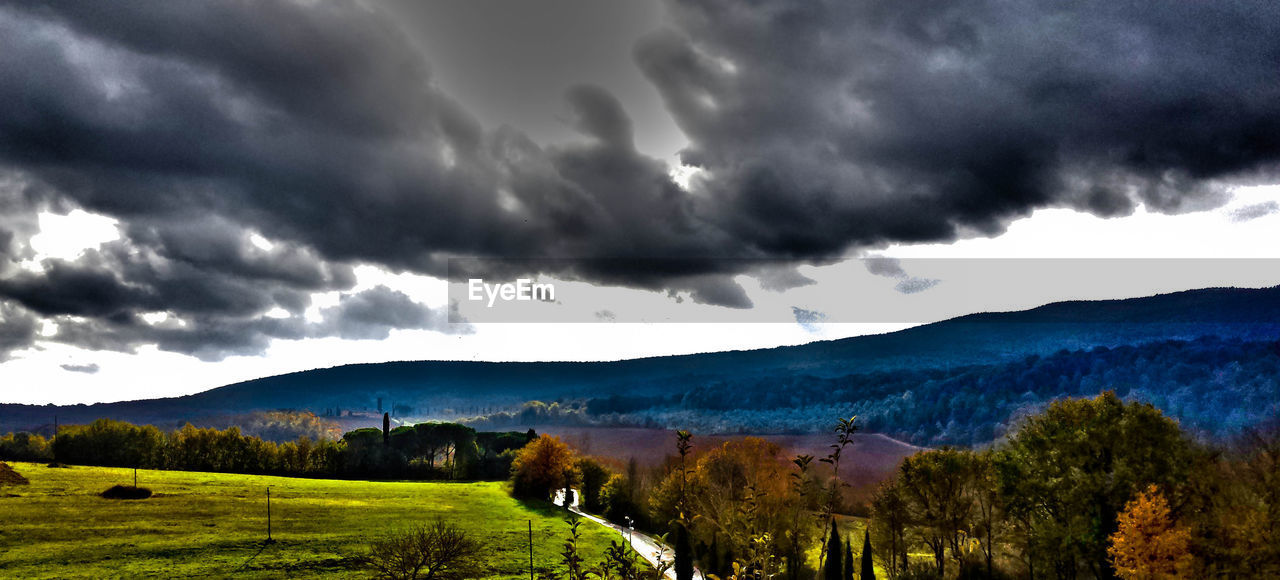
(850, 528)
(213, 525)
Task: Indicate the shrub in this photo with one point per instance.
(438, 551)
(126, 492)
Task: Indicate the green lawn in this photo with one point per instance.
(211, 524)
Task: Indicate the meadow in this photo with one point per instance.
(215, 524)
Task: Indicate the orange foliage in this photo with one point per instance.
(737, 491)
(1149, 545)
(543, 466)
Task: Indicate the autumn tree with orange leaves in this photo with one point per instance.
(1149, 545)
(738, 494)
(543, 466)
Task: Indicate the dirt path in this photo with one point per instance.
(648, 547)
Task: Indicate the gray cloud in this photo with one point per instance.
(716, 290)
(370, 314)
(1254, 211)
(884, 266)
(808, 319)
(781, 278)
(373, 313)
(322, 128)
(89, 369)
(892, 268)
(914, 285)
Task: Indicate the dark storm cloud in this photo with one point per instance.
(18, 223)
(17, 329)
(206, 338)
(214, 285)
(213, 277)
(826, 125)
(329, 134)
(197, 127)
(220, 247)
(820, 128)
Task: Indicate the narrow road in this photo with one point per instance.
(648, 547)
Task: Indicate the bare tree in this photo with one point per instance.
(438, 551)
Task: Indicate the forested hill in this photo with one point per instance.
(1215, 387)
(443, 389)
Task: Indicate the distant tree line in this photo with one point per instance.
(422, 451)
(281, 426)
(1212, 386)
(434, 451)
(536, 413)
(23, 446)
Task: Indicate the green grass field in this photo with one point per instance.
(213, 525)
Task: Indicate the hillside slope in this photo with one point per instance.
(450, 389)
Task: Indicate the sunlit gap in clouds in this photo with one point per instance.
(67, 236)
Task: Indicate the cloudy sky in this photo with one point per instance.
(197, 193)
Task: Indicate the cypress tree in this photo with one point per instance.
(833, 570)
(868, 568)
(712, 565)
(386, 428)
(848, 559)
(684, 554)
